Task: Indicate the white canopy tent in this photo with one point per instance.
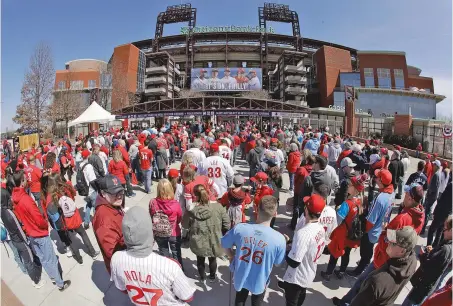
(94, 113)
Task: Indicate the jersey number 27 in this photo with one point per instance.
(141, 294)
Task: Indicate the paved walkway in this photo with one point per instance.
(91, 284)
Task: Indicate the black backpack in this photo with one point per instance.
(81, 184)
(358, 226)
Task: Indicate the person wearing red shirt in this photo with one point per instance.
(189, 181)
(122, 148)
(118, 168)
(428, 168)
(262, 189)
(145, 156)
(235, 200)
(33, 175)
(35, 225)
(294, 160)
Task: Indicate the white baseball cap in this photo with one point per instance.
(374, 158)
(347, 162)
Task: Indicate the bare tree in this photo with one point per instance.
(120, 83)
(37, 88)
(104, 94)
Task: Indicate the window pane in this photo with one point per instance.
(399, 83)
(92, 83)
(368, 72)
(369, 81)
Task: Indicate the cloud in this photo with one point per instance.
(443, 86)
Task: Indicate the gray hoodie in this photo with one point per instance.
(333, 152)
(138, 232)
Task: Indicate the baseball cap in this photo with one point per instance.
(405, 238)
(214, 147)
(398, 148)
(444, 165)
(238, 180)
(172, 173)
(274, 140)
(384, 175)
(384, 151)
(260, 176)
(356, 148)
(359, 182)
(85, 153)
(347, 145)
(437, 163)
(272, 162)
(415, 190)
(428, 156)
(347, 162)
(315, 203)
(374, 158)
(110, 184)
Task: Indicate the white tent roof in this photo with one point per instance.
(94, 113)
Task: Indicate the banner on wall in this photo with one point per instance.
(226, 79)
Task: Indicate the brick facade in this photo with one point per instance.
(403, 125)
(391, 60)
(420, 82)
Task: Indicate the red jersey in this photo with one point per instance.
(146, 157)
(119, 169)
(237, 141)
(199, 180)
(33, 175)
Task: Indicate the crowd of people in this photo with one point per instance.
(341, 196)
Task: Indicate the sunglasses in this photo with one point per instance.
(118, 195)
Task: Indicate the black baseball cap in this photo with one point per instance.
(110, 184)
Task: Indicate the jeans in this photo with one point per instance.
(294, 294)
(400, 187)
(344, 262)
(296, 210)
(436, 229)
(356, 288)
(44, 250)
(17, 257)
(66, 239)
(91, 201)
(201, 266)
(233, 159)
(241, 298)
(128, 184)
(29, 260)
(37, 196)
(175, 247)
(146, 175)
(366, 253)
(428, 206)
(136, 169)
(291, 181)
(417, 154)
(155, 170)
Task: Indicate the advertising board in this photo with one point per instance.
(226, 79)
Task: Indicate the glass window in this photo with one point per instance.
(244, 64)
(399, 78)
(62, 85)
(76, 84)
(91, 83)
(384, 80)
(349, 79)
(369, 77)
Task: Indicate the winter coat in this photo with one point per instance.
(313, 145)
(161, 159)
(428, 171)
(316, 177)
(333, 152)
(301, 174)
(254, 158)
(294, 159)
(414, 217)
(419, 178)
(172, 209)
(443, 207)
(107, 227)
(206, 224)
(382, 286)
(432, 266)
(360, 160)
(98, 165)
(433, 188)
(33, 219)
(397, 172)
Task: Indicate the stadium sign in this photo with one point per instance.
(232, 28)
(226, 79)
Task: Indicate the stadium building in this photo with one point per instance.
(237, 70)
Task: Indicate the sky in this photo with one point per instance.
(91, 29)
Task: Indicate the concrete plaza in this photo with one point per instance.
(91, 284)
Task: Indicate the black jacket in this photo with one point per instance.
(342, 193)
(254, 158)
(10, 220)
(315, 178)
(383, 285)
(153, 146)
(96, 162)
(396, 168)
(360, 160)
(432, 265)
(419, 178)
(443, 207)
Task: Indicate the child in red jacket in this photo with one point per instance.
(294, 159)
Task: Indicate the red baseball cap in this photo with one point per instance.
(428, 156)
(384, 151)
(274, 140)
(444, 165)
(359, 181)
(435, 155)
(384, 175)
(214, 147)
(172, 173)
(397, 147)
(85, 153)
(315, 203)
(260, 176)
(46, 149)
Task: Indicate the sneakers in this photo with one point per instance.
(68, 252)
(212, 279)
(79, 260)
(40, 284)
(338, 274)
(281, 285)
(66, 284)
(336, 301)
(95, 255)
(325, 276)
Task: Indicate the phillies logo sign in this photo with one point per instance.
(446, 131)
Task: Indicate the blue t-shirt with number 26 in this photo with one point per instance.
(258, 248)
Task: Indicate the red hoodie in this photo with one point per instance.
(250, 145)
(428, 171)
(107, 228)
(343, 154)
(301, 174)
(294, 159)
(414, 217)
(172, 209)
(34, 223)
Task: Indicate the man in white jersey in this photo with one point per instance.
(273, 152)
(199, 158)
(328, 218)
(307, 247)
(148, 278)
(225, 151)
(219, 169)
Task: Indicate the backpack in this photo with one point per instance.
(358, 226)
(161, 224)
(81, 184)
(67, 205)
(235, 214)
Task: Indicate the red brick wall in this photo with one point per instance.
(68, 76)
(403, 124)
(124, 78)
(330, 61)
(420, 82)
(390, 61)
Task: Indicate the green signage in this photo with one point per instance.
(232, 28)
